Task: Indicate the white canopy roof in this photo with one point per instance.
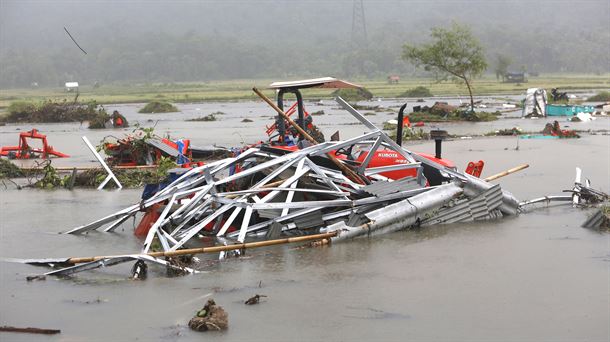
(322, 82)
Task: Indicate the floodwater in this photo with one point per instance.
(537, 276)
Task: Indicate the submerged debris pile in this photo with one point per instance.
(130, 178)
(103, 120)
(599, 219)
(333, 190)
(53, 111)
(555, 130)
(211, 317)
(209, 117)
(9, 170)
(442, 111)
(301, 190)
(144, 147)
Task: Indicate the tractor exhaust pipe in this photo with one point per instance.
(438, 136)
(438, 148)
(399, 124)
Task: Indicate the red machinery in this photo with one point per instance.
(475, 169)
(25, 151)
(381, 157)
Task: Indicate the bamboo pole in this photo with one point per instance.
(346, 170)
(507, 172)
(216, 249)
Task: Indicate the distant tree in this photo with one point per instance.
(502, 64)
(523, 68)
(453, 54)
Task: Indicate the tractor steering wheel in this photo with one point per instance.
(347, 151)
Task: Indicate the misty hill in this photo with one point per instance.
(138, 41)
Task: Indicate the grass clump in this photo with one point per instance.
(158, 107)
(389, 126)
(419, 91)
(433, 115)
(602, 96)
(353, 94)
(411, 134)
(505, 132)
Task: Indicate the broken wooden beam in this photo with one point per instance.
(30, 330)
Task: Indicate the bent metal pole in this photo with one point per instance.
(346, 170)
(217, 249)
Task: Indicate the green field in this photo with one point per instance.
(241, 89)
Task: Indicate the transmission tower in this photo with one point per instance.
(358, 24)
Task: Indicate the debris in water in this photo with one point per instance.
(144, 147)
(336, 190)
(53, 111)
(103, 120)
(25, 151)
(98, 300)
(139, 271)
(211, 317)
(9, 170)
(254, 300)
(555, 130)
(30, 330)
(599, 220)
(206, 118)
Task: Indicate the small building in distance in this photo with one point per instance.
(515, 77)
(71, 86)
(393, 79)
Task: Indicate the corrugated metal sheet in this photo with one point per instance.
(356, 219)
(381, 188)
(163, 147)
(595, 220)
(482, 207)
(310, 220)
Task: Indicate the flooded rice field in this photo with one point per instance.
(537, 276)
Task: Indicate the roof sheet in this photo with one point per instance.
(322, 82)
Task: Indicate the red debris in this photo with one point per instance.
(25, 151)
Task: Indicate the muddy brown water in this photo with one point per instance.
(537, 276)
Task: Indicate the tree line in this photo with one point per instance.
(192, 56)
